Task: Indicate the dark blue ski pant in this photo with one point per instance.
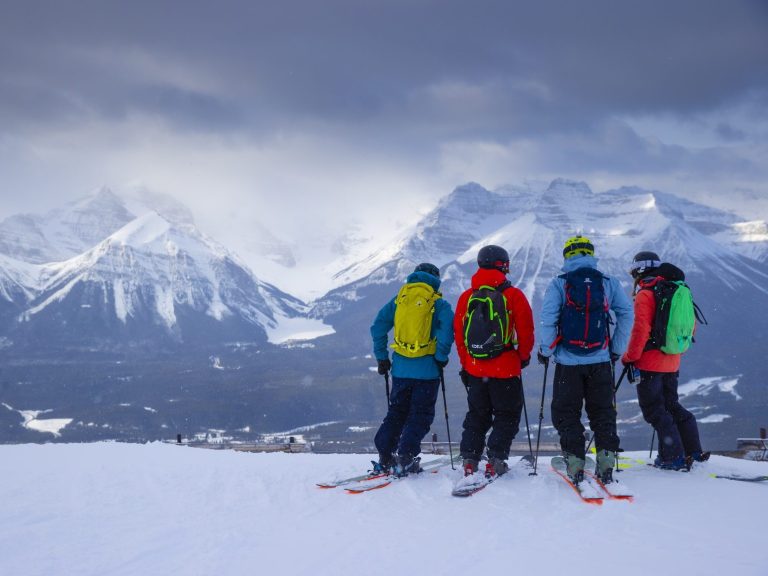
(675, 426)
(411, 412)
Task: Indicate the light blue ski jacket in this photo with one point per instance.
(554, 300)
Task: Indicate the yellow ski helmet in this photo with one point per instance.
(578, 246)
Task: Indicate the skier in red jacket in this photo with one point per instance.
(679, 443)
(494, 386)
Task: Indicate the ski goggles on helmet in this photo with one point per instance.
(638, 267)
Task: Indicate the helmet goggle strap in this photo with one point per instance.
(501, 266)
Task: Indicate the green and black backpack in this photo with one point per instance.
(487, 331)
(676, 312)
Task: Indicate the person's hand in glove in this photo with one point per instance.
(464, 375)
(384, 366)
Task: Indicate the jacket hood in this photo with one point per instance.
(649, 281)
(579, 262)
(488, 277)
(424, 277)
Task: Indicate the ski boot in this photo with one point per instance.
(495, 467)
(606, 460)
(678, 464)
(574, 468)
(470, 466)
(406, 465)
(696, 457)
(383, 466)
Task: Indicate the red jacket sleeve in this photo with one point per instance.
(458, 327)
(645, 308)
(522, 316)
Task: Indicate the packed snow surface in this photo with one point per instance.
(157, 509)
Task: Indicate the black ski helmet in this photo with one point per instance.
(494, 257)
(428, 268)
(644, 263)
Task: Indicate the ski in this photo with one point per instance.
(369, 476)
(587, 492)
(741, 478)
(469, 485)
(377, 483)
(352, 480)
(615, 490)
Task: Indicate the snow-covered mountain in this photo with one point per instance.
(64, 232)
(143, 278)
(533, 222)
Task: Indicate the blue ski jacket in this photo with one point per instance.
(554, 300)
(424, 367)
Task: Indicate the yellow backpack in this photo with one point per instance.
(414, 308)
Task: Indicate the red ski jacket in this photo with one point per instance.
(507, 364)
(645, 311)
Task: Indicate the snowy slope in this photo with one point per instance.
(127, 509)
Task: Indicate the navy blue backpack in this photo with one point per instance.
(584, 318)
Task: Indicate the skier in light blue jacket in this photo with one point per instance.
(575, 329)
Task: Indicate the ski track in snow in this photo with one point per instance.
(157, 509)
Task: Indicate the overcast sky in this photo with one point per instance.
(308, 114)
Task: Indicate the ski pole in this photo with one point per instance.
(653, 439)
(386, 379)
(447, 426)
(616, 389)
(541, 417)
(525, 411)
(616, 407)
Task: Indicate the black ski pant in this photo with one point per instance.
(589, 386)
(494, 403)
(411, 412)
(675, 426)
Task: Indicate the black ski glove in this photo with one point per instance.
(464, 375)
(524, 363)
(543, 360)
(384, 366)
(631, 374)
(441, 363)
(615, 357)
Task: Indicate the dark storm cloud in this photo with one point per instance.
(437, 70)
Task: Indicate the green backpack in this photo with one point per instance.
(676, 313)
(414, 309)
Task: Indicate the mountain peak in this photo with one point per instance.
(142, 231)
(563, 185)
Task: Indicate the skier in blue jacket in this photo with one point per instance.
(584, 371)
(415, 378)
